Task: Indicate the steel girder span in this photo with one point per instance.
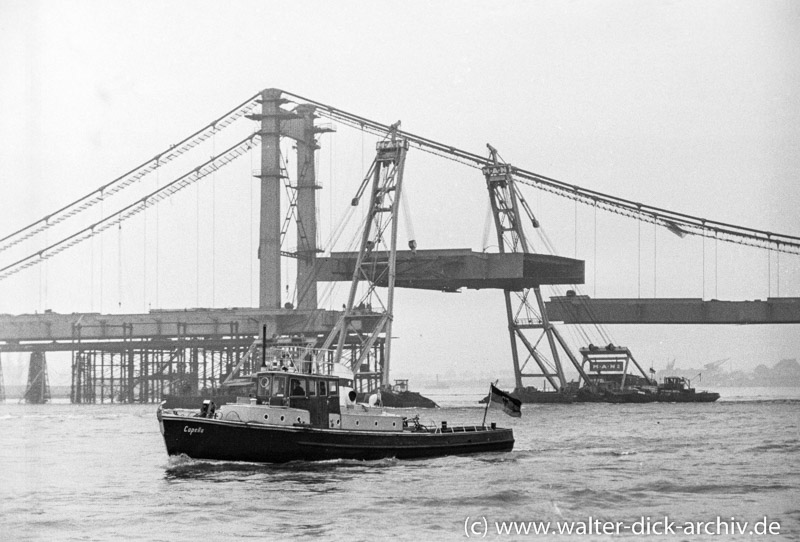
(583, 309)
(451, 269)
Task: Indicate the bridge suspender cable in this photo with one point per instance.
(131, 177)
(208, 167)
(676, 222)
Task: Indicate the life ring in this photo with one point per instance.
(264, 382)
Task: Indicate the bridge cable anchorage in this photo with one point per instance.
(639, 211)
(127, 179)
(168, 190)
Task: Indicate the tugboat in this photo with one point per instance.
(677, 389)
(303, 413)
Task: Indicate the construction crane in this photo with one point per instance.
(506, 202)
(377, 257)
(714, 365)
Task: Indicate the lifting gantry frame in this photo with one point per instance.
(506, 201)
(386, 176)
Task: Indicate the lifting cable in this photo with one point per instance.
(487, 227)
(405, 210)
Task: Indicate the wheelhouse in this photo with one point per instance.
(318, 394)
(278, 387)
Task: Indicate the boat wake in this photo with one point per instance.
(622, 453)
(183, 466)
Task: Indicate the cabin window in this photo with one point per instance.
(278, 387)
(263, 385)
(297, 386)
(323, 388)
(333, 388)
(311, 387)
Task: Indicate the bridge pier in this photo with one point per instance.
(2, 384)
(38, 389)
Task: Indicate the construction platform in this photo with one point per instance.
(449, 270)
(60, 332)
(585, 310)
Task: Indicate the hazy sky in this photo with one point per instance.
(691, 106)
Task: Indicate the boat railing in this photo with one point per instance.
(462, 429)
(299, 358)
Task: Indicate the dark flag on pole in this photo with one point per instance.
(500, 399)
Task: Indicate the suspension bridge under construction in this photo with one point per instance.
(141, 357)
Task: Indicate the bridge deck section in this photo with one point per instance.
(585, 310)
(53, 331)
(452, 269)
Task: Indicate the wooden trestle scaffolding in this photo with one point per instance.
(146, 373)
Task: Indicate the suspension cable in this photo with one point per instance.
(639, 211)
(127, 179)
(211, 165)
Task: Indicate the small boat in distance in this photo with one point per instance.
(676, 389)
(300, 412)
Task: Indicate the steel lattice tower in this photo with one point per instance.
(521, 313)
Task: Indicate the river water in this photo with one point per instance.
(94, 472)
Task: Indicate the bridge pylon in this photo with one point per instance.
(276, 123)
(37, 391)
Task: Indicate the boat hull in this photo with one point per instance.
(698, 397)
(530, 395)
(202, 438)
(629, 396)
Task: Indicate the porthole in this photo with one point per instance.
(356, 422)
(376, 424)
(283, 418)
(394, 424)
(298, 419)
(266, 416)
